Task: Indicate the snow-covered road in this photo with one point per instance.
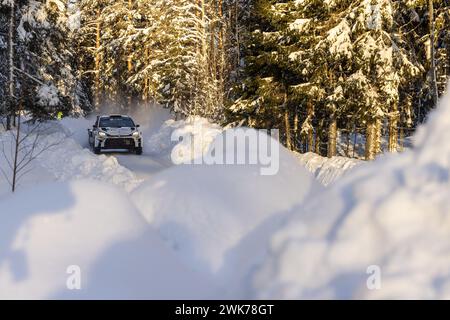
(143, 166)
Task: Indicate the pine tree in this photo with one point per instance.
(328, 62)
(165, 50)
(41, 66)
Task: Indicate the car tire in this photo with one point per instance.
(97, 150)
(138, 150)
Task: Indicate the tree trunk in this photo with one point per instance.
(287, 129)
(16, 152)
(286, 123)
(146, 93)
(310, 137)
(370, 140)
(130, 53)
(238, 41)
(347, 148)
(221, 38)
(393, 129)
(332, 138)
(318, 142)
(378, 136)
(434, 89)
(97, 59)
(402, 139)
(12, 80)
(221, 53)
(295, 130)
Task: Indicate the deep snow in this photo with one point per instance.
(217, 218)
(393, 213)
(95, 227)
(327, 170)
(140, 227)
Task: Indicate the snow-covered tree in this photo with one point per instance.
(165, 50)
(41, 67)
(329, 62)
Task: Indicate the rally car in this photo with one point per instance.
(115, 132)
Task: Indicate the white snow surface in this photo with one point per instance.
(92, 226)
(218, 218)
(193, 128)
(327, 170)
(392, 215)
(226, 231)
(61, 156)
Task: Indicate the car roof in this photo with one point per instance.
(114, 116)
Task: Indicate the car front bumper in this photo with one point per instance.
(120, 142)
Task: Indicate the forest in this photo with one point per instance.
(327, 73)
(223, 150)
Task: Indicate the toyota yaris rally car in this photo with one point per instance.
(115, 132)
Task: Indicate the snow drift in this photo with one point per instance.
(326, 170)
(44, 231)
(63, 155)
(160, 143)
(392, 214)
(218, 217)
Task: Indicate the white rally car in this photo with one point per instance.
(115, 132)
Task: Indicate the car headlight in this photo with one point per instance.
(102, 134)
(136, 134)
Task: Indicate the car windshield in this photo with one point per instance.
(116, 122)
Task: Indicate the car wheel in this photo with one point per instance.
(97, 150)
(138, 150)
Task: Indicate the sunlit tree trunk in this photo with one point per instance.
(378, 136)
(221, 52)
(370, 140)
(287, 125)
(130, 52)
(310, 133)
(146, 92)
(97, 60)
(332, 137)
(288, 130)
(393, 129)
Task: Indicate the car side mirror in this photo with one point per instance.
(138, 125)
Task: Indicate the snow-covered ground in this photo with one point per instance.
(214, 216)
(324, 169)
(389, 218)
(48, 231)
(140, 227)
(206, 218)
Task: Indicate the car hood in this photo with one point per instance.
(119, 131)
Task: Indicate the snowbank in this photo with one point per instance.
(326, 170)
(217, 218)
(164, 143)
(64, 155)
(89, 225)
(391, 216)
(67, 160)
(197, 128)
